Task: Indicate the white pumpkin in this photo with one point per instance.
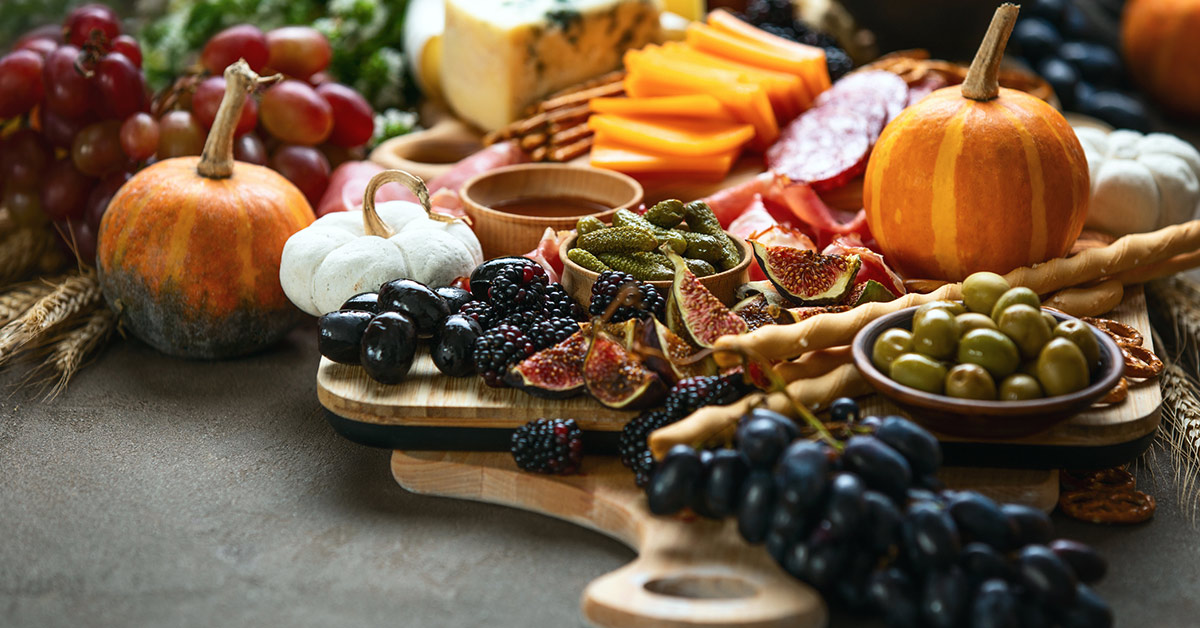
(1139, 182)
(345, 253)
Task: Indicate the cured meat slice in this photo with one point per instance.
(864, 92)
(873, 265)
(823, 148)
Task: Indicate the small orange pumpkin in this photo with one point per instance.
(1161, 45)
(189, 248)
(976, 178)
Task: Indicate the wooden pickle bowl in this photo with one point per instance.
(973, 418)
(578, 280)
(501, 233)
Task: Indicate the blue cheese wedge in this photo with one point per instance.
(500, 56)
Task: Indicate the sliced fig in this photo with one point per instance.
(624, 332)
(617, 378)
(702, 316)
(766, 289)
(805, 276)
(554, 373)
(755, 311)
(869, 291)
(670, 354)
(797, 314)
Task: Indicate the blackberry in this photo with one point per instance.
(548, 446)
(497, 349)
(559, 304)
(519, 289)
(523, 320)
(759, 12)
(632, 441)
(643, 468)
(609, 284)
(551, 331)
(480, 312)
(688, 395)
(837, 62)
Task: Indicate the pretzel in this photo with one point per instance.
(1141, 362)
(1122, 334)
(1111, 480)
(1118, 394)
(1100, 506)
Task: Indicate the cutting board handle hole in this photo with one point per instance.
(702, 587)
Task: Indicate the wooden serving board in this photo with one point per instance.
(689, 571)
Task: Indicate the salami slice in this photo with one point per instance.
(865, 92)
(824, 148)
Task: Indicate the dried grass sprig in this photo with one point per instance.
(68, 298)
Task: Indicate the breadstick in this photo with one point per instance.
(784, 342)
(1091, 301)
(814, 363)
(1165, 268)
(716, 424)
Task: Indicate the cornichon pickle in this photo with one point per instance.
(587, 260)
(701, 219)
(674, 239)
(643, 266)
(666, 214)
(588, 224)
(617, 240)
(705, 247)
(699, 267)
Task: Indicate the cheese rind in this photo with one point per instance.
(498, 57)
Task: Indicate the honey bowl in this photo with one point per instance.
(510, 208)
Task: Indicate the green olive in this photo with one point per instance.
(1081, 334)
(1019, 387)
(936, 334)
(1051, 322)
(990, 349)
(1028, 367)
(890, 345)
(1026, 327)
(982, 290)
(951, 306)
(970, 381)
(920, 372)
(1061, 367)
(974, 320)
(1014, 297)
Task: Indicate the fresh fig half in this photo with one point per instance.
(755, 310)
(669, 354)
(764, 288)
(805, 276)
(617, 378)
(702, 316)
(796, 314)
(554, 373)
(869, 291)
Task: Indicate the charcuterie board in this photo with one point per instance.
(432, 411)
(689, 571)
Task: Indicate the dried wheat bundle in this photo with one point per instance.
(17, 300)
(68, 298)
(71, 348)
(1178, 300)
(20, 253)
(1180, 433)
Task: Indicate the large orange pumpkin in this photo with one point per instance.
(189, 248)
(1161, 42)
(976, 178)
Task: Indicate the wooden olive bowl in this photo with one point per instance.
(501, 233)
(972, 418)
(578, 280)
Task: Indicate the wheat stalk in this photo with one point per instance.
(69, 350)
(1181, 433)
(18, 299)
(69, 297)
(20, 252)
(1179, 299)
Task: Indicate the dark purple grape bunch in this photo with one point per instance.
(873, 529)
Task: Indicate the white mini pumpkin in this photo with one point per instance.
(345, 253)
(1139, 182)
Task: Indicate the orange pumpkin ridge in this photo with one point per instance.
(189, 248)
(976, 177)
(1161, 48)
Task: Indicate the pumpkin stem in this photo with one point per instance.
(983, 82)
(372, 223)
(216, 162)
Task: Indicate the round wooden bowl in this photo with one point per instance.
(985, 419)
(429, 153)
(501, 233)
(578, 280)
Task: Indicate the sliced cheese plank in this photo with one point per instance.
(685, 137)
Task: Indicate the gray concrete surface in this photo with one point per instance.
(159, 492)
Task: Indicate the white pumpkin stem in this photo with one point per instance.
(216, 162)
(372, 223)
(983, 77)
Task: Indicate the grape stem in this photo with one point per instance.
(216, 162)
(983, 77)
(750, 356)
